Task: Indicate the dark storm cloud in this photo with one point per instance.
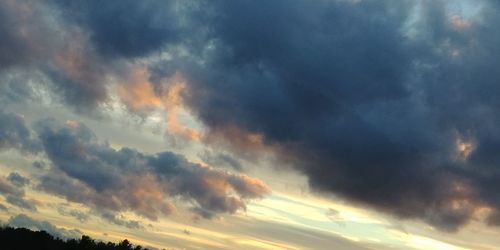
(22, 220)
(17, 28)
(372, 102)
(90, 172)
(128, 28)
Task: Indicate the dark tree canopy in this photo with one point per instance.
(26, 239)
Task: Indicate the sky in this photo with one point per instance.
(194, 124)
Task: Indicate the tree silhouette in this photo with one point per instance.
(26, 239)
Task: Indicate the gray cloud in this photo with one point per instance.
(221, 159)
(17, 86)
(39, 164)
(335, 216)
(79, 215)
(20, 201)
(97, 175)
(18, 180)
(6, 188)
(15, 134)
(14, 195)
(22, 220)
(118, 220)
(21, 23)
(202, 213)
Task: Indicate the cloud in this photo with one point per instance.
(39, 164)
(7, 188)
(18, 86)
(75, 51)
(118, 220)
(99, 176)
(221, 159)
(21, 202)
(390, 104)
(128, 28)
(22, 220)
(15, 134)
(18, 180)
(54, 55)
(77, 214)
(21, 27)
(15, 195)
(335, 216)
(383, 110)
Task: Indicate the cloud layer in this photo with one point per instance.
(110, 181)
(12, 188)
(95, 174)
(391, 104)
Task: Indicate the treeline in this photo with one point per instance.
(26, 239)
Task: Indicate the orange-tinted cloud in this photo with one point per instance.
(174, 106)
(137, 92)
(140, 95)
(459, 22)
